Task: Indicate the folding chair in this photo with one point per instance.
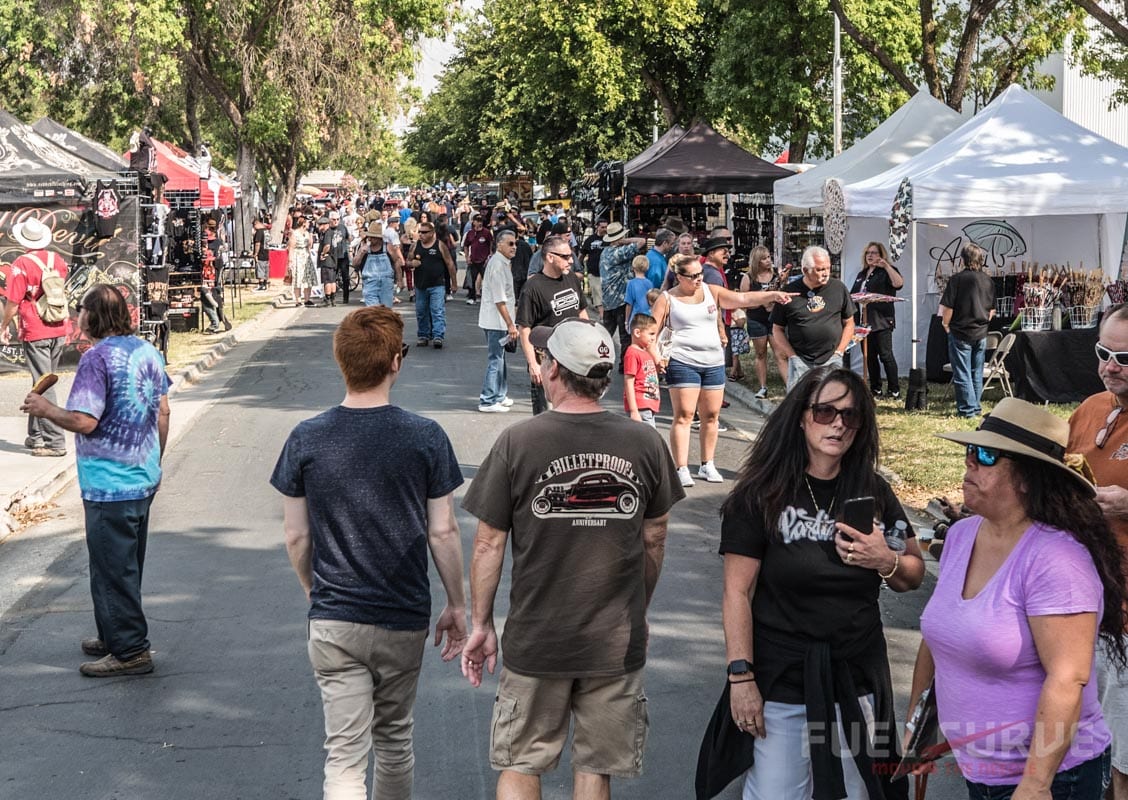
(995, 369)
(994, 339)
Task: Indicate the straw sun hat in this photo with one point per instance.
(1018, 427)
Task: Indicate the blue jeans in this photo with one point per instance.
(967, 374)
(495, 386)
(379, 289)
(1086, 781)
(116, 536)
(430, 312)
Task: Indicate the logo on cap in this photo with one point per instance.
(603, 350)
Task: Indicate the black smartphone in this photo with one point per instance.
(858, 513)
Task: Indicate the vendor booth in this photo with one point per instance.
(705, 179)
(79, 146)
(911, 129)
(1045, 197)
(92, 213)
(189, 233)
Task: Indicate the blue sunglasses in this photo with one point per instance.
(986, 456)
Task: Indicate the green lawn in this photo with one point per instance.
(928, 466)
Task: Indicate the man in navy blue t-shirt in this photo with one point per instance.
(368, 489)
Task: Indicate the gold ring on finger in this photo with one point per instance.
(849, 558)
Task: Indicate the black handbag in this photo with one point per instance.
(926, 744)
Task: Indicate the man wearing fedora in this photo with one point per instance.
(1098, 430)
(614, 272)
(817, 330)
(42, 341)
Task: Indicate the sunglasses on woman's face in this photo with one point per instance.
(986, 456)
(824, 414)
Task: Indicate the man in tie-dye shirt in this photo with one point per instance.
(118, 409)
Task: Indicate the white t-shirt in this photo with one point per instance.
(497, 286)
(391, 237)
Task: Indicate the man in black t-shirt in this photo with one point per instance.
(360, 554)
(817, 329)
(434, 269)
(590, 251)
(550, 296)
(326, 262)
(967, 306)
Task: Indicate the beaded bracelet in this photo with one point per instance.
(896, 563)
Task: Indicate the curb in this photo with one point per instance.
(44, 490)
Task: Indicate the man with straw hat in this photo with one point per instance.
(381, 268)
(1097, 431)
(42, 341)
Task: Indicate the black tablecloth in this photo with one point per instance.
(1054, 366)
(1045, 366)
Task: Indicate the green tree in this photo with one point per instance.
(771, 75)
(1105, 52)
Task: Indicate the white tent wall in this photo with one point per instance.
(1079, 240)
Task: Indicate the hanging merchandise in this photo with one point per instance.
(900, 220)
(834, 215)
(107, 206)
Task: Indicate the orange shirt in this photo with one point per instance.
(1109, 463)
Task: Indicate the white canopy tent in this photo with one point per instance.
(913, 127)
(1018, 179)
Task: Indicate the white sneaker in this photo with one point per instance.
(471, 302)
(762, 394)
(496, 408)
(709, 473)
(507, 402)
(684, 476)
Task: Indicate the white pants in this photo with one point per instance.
(1112, 688)
(783, 759)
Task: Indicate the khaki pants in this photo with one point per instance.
(368, 677)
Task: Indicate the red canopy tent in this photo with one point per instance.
(183, 173)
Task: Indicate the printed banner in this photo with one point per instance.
(90, 258)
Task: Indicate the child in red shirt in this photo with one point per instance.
(640, 374)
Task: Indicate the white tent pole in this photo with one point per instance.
(913, 295)
(837, 91)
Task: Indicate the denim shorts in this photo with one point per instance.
(1086, 781)
(684, 376)
(757, 330)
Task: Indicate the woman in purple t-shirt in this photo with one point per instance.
(1025, 588)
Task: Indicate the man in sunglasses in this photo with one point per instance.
(817, 328)
(549, 297)
(1098, 430)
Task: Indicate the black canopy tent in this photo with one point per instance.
(672, 177)
(701, 161)
(33, 169)
(78, 145)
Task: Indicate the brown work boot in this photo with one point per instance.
(109, 666)
(94, 647)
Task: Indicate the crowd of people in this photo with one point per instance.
(1023, 638)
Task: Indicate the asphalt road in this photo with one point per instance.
(232, 710)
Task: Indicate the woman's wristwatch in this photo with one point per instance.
(741, 669)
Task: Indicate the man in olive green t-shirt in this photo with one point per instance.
(586, 494)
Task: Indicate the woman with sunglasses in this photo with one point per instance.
(695, 371)
(1027, 586)
(803, 632)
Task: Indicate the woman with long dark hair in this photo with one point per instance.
(1028, 586)
(803, 632)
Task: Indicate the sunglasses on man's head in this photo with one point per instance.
(1104, 355)
(824, 414)
(986, 456)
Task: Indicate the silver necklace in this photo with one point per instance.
(811, 491)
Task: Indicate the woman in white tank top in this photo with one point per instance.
(695, 374)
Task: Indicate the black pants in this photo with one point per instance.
(615, 319)
(879, 349)
(343, 276)
(116, 536)
(473, 272)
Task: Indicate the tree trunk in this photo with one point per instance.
(1111, 23)
(662, 96)
(246, 166)
(871, 46)
(191, 103)
(977, 15)
(929, 61)
(797, 145)
(284, 195)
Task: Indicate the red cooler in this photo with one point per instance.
(279, 258)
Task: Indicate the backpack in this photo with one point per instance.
(52, 303)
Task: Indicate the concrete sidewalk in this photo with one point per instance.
(28, 482)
